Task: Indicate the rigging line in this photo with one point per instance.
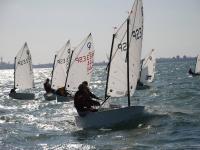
(128, 76)
(108, 71)
(69, 65)
(53, 68)
(104, 101)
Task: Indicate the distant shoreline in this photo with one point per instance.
(50, 65)
(11, 66)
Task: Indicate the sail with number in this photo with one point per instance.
(197, 68)
(135, 46)
(81, 66)
(117, 83)
(148, 68)
(61, 64)
(23, 75)
(125, 55)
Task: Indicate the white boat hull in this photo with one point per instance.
(49, 96)
(110, 118)
(63, 98)
(22, 96)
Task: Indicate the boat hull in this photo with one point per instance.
(49, 96)
(110, 118)
(22, 96)
(63, 98)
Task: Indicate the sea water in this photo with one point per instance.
(172, 104)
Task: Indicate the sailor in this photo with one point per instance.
(47, 86)
(62, 92)
(83, 100)
(191, 72)
(87, 90)
(12, 91)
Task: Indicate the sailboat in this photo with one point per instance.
(59, 72)
(197, 67)
(23, 75)
(81, 66)
(122, 74)
(147, 70)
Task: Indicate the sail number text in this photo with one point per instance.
(24, 61)
(89, 59)
(62, 61)
(137, 34)
(82, 59)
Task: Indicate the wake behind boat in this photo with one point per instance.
(122, 74)
(23, 75)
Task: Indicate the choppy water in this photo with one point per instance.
(173, 105)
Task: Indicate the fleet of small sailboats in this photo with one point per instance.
(23, 75)
(72, 67)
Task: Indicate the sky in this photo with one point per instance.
(171, 27)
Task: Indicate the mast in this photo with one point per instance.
(68, 68)
(14, 70)
(128, 87)
(109, 65)
(53, 68)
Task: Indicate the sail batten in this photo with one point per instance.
(23, 69)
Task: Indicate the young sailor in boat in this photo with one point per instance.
(83, 100)
(192, 73)
(85, 84)
(62, 92)
(47, 86)
(12, 91)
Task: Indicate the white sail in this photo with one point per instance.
(81, 66)
(135, 46)
(61, 64)
(117, 82)
(197, 68)
(148, 68)
(23, 69)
